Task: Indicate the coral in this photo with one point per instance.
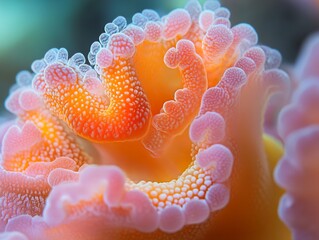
(159, 136)
(32, 147)
(297, 171)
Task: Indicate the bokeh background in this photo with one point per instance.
(28, 28)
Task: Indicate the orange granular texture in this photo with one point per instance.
(126, 116)
(56, 142)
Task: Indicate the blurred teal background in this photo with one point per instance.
(28, 28)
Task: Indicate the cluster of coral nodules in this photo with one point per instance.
(148, 82)
(297, 171)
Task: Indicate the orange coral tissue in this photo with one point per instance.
(160, 136)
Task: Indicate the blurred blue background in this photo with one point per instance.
(28, 28)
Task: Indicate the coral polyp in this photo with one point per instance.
(298, 168)
(160, 135)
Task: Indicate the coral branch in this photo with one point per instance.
(42, 137)
(114, 109)
(298, 169)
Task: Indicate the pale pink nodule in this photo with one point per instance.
(297, 171)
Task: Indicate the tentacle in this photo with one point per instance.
(298, 168)
(231, 99)
(114, 109)
(176, 114)
(42, 137)
(31, 227)
(28, 191)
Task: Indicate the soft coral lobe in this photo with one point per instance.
(115, 109)
(297, 171)
(34, 145)
(160, 137)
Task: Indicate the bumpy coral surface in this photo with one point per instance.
(297, 171)
(160, 136)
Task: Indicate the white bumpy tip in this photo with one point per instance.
(95, 47)
(136, 33)
(93, 85)
(84, 68)
(24, 78)
(57, 73)
(234, 77)
(144, 216)
(215, 99)
(218, 159)
(104, 58)
(297, 172)
(273, 57)
(139, 19)
(208, 128)
(302, 150)
(211, 5)
(196, 211)
(19, 140)
(297, 115)
(217, 197)
(51, 56)
(277, 78)
(38, 65)
(61, 175)
(121, 45)
(257, 55)
(289, 120)
(90, 74)
(111, 175)
(92, 58)
(216, 41)
(184, 49)
(222, 21)
(222, 12)
(206, 19)
(104, 39)
(307, 96)
(63, 55)
(120, 22)
(245, 32)
(176, 23)
(301, 216)
(194, 9)
(247, 64)
(306, 65)
(151, 15)
(29, 100)
(12, 102)
(171, 219)
(153, 31)
(111, 28)
(172, 58)
(76, 60)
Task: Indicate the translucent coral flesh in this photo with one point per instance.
(297, 171)
(173, 110)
